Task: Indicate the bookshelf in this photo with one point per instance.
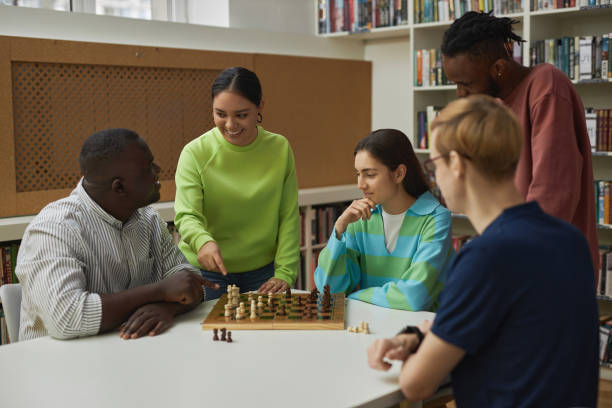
(534, 25)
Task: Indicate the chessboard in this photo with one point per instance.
(296, 317)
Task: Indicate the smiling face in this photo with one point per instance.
(236, 117)
(471, 74)
(374, 179)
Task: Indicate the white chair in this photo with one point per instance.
(10, 295)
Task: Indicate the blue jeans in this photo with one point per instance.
(246, 281)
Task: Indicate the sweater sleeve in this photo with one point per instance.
(189, 218)
(339, 264)
(557, 162)
(420, 284)
(287, 254)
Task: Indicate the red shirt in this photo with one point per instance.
(555, 167)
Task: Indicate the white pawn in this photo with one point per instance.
(366, 328)
(228, 312)
(260, 302)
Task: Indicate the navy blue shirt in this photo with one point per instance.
(520, 301)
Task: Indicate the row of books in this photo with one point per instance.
(599, 127)
(305, 276)
(424, 121)
(558, 4)
(460, 241)
(8, 258)
(429, 11)
(580, 58)
(322, 223)
(360, 15)
(602, 202)
(428, 69)
(4, 336)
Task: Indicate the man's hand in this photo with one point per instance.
(184, 287)
(395, 348)
(151, 319)
(274, 285)
(209, 257)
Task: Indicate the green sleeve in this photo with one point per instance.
(189, 203)
(288, 246)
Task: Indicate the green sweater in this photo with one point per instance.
(242, 197)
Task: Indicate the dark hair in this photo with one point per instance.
(391, 147)
(480, 34)
(103, 147)
(240, 80)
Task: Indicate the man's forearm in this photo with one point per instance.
(117, 307)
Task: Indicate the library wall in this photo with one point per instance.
(56, 93)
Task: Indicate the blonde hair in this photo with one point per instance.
(482, 130)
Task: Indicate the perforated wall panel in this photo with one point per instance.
(56, 106)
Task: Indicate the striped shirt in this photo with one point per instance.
(410, 277)
(74, 250)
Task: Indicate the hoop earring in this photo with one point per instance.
(259, 117)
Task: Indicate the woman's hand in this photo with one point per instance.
(274, 285)
(359, 209)
(209, 257)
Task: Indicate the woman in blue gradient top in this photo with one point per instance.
(392, 247)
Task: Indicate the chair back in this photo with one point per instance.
(10, 295)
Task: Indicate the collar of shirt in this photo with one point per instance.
(425, 204)
(93, 206)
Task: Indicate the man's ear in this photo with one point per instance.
(117, 186)
(456, 164)
(499, 70)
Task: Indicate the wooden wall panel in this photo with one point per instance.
(323, 107)
(56, 93)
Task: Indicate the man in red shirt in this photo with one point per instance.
(555, 166)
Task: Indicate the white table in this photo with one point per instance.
(185, 368)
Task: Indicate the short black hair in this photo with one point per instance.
(103, 147)
(239, 80)
(391, 147)
(480, 34)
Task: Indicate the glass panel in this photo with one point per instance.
(63, 5)
(125, 8)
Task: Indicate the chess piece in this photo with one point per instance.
(229, 337)
(326, 288)
(223, 330)
(260, 302)
(215, 335)
(228, 310)
(253, 314)
(366, 329)
(283, 311)
(299, 301)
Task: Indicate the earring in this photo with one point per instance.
(259, 117)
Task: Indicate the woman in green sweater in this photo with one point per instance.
(236, 194)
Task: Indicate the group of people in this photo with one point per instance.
(516, 321)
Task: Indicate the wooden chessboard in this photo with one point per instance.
(267, 320)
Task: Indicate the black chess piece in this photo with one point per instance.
(215, 335)
(223, 330)
(229, 337)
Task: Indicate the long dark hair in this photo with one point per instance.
(391, 147)
(239, 80)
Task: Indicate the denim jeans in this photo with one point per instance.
(246, 281)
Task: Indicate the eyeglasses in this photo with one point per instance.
(429, 166)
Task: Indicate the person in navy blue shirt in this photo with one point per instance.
(517, 324)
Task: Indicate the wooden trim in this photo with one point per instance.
(74, 52)
(7, 146)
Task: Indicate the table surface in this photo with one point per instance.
(184, 368)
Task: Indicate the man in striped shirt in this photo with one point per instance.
(102, 257)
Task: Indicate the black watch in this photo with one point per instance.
(413, 330)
